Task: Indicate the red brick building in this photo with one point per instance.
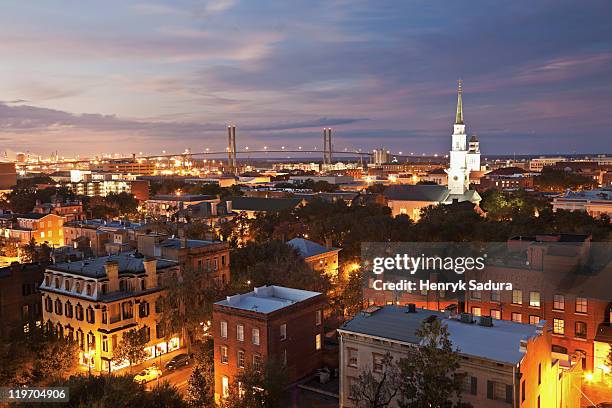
(269, 324)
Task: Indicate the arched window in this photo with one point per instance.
(90, 315)
(68, 309)
(79, 339)
(104, 315)
(48, 304)
(58, 307)
(91, 341)
(79, 312)
(59, 330)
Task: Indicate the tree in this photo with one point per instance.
(131, 348)
(54, 358)
(111, 391)
(377, 389)
(257, 388)
(429, 371)
(201, 387)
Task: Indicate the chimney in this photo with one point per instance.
(229, 206)
(150, 267)
(182, 237)
(112, 273)
(411, 308)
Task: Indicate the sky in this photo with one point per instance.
(128, 77)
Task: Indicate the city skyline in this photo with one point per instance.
(147, 76)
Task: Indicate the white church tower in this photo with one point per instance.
(458, 171)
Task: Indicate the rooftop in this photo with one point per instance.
(603, 194)
(94, 268)
(267, 299)
(500, 343)
(308, 248)
(419, 192)
(190, 243)
(184, 197)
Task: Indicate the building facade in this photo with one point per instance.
(94, 302)
(270, 324)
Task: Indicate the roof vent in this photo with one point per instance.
(486, 321)
(370, 311)
(466, 318)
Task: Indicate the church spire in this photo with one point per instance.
(459, 116)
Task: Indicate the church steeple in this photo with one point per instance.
(459, 116)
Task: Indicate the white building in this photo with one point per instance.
(463, 157)
(593, 202)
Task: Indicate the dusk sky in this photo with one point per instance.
(118, 76)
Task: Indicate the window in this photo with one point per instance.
(143, 309)
(283, 331)
(127, 310)
(67, 285)
(159, 331)
(534, 319)
(256, 362)
(351, 358)
(318, 318)
(534, 299)
(476, 294)
(255, 336)
(559, 302)
(224, 329)
(68, 309)
(523, 391)
(377, 362)
(476, 311)
(517, 297)
(90, 316)
(284, 357)
(499, 391)
(495, 296)
(496, 314)
(79, 312)
(581, 305)
(240, 332)
(89, 290)
(225, 386)
(558, 326)
(104, 315)
(580, 330)
(318, 342)
(240, 361)
(58, 307)
(105, 343)
(517, 317)
(224, 359)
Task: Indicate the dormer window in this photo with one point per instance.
(89, 290)
(67, 285)
(78, 287)
(104, 288)
(47, 280)
(57, 283)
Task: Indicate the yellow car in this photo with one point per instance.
(148, 374)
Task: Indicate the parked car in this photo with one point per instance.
(179, 360)
(148, 374)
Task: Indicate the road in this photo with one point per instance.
(179, 378)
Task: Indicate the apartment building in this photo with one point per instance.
(101, 237)
(166, 205)
(69, 211)
(209, 257)
(549, 282)
(20, 299)
(271, 323)
(505, 364)
(94, 302)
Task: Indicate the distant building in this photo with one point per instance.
(410, 200)
(270, 324)
(143, 168)
(593, 202)
(101, 237)
(69, 211)
(209, 257)
(20, 299)
(316, 167)
(167, 205)
(437, 176)
(539, 163)
(94, 302)
(506, 178)
(218, 181)
(504, 363)
(320, 258)
(8, 175)
(43, 228)
(328, 179)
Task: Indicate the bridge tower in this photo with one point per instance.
(327, 146)
(231, 149)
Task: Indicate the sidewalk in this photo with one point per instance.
(159, 361)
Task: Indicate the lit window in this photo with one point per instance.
(517, 317)
(580, 330)
(517, 297)
(225, 385)
(240, 358)
(224, 358)
(559, 302)
(318, 342)
(224, 329)
(534, 299)
(318, 318)
(558, 326)
(476, 311)
(581, 305)
(240, 332)
(496, 314)
(534, 319)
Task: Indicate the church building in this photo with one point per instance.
(464, 158)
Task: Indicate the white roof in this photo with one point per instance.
(267, 299)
